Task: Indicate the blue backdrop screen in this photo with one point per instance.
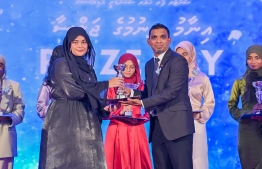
(220, 30)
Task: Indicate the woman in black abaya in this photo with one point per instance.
(71, 135)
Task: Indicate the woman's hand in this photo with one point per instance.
(115, 82)
(257, 108)
(197, 116)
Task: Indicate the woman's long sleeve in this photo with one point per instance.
(209, 100)
(43, 100)
(234, 111)
(65, 79)
(18, 105)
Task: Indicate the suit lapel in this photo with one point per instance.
(162, 64)
(150, 73)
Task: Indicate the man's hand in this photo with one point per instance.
(126, 90)
(134, 102)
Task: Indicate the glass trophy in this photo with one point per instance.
(119, 68)
(258, 86)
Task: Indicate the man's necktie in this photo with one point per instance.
(155, 74)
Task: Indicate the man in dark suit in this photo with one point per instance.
(166, 96)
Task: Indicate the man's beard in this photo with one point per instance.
(159, 51)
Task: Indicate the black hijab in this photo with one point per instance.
(82, 69)
(76, 63)
(252, 75)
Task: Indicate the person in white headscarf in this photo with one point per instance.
(202, 101)
(11, 113)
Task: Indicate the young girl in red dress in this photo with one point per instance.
(126, 143)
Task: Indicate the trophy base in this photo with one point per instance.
(250, 116)
(128, 114)
(126, 117)
(113, 101)
(5, 117)
(121, 96)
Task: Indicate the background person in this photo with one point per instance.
(11, 103)
(201, 98)
(44, 94)
(249, 131)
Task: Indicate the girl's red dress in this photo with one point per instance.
(126, 145)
